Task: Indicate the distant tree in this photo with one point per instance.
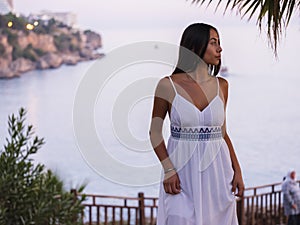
(12, 37)
(2, 50)
(29, 53)
(30, 194)
(62, 42)
(275, 13)
(51, 26)
(17, 52)
(19, 23)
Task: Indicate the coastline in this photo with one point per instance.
(44, 46)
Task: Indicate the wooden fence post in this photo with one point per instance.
(81, 217)
(240, 210)
(74, 191)
(142, 208)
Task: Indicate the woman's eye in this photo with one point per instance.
(215, 43)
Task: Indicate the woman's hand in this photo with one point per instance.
(238, 183)
(172, 183)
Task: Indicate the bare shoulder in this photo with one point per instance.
(223, 82)
(164, 83)
(163, 87)
(223, 87)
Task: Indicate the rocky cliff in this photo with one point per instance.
(22, 51)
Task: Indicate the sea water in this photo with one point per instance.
(263, 112)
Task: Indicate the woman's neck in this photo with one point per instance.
(201, 74)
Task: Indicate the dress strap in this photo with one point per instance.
(218, 86)
(172, 84)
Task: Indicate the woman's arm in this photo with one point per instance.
(160, 109)
(237, 181)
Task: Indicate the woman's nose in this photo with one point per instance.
(220, 49)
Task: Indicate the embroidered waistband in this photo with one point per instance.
(203, 133)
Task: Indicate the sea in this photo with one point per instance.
(95, 116)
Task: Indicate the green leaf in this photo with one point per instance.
(28, 193)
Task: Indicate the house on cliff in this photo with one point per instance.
(68, 18)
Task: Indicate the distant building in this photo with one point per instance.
(6, 6)
(67, 18)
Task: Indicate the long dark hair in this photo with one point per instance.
(194, 39)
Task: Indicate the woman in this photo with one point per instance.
(201, 171)
(291, 198)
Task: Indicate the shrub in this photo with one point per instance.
(62, 42)
(17, 52)
(51, 26)
(2, 50)
(12, 38)
(40, 28)
(39, 51)
(77, 36)
(87, 31)
(74, 48)
(28, 193)
(29, 53)
(19, 23)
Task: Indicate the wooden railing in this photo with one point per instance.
(260, 205)
(118, 210)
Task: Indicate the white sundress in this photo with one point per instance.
(201, 156)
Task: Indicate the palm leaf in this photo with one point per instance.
(253, 6)
(275, 13)
(291, 7)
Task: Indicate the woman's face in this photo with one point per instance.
(212, 54)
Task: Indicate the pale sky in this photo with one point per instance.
(132, 13)
(103, 16)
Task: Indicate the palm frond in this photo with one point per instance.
(291, 7)
(253, 6)
(274, 13)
